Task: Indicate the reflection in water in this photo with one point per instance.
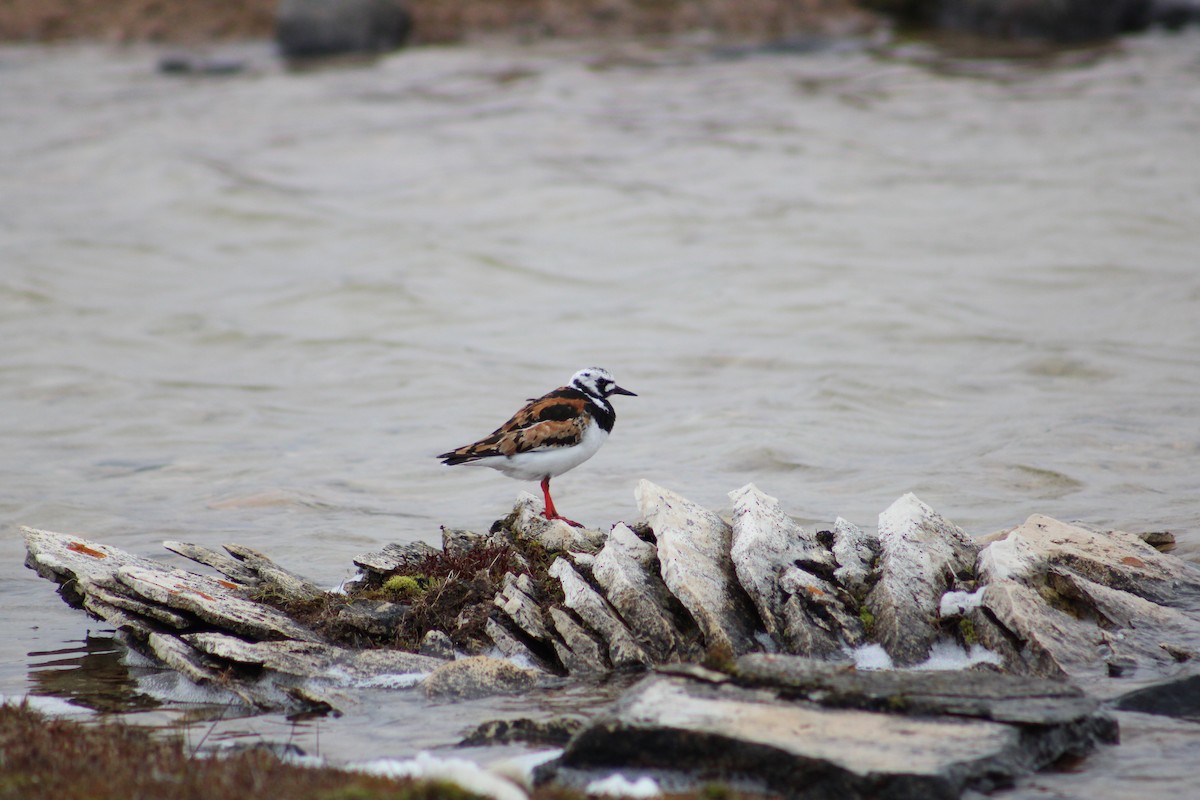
(92, 674)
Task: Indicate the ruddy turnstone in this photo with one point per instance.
(552, 434)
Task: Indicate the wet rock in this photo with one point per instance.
(1177, 697)
(230, 567)
(921, 555)
(1065, 21)
(627, 570)
(478, 676)
(312, 28)
(283, 582)
(437, 644)
(855, 553)
(556, 731)
(581, 598)
(458, 542)
(1059, 599)
(825, 749)
(693, 553)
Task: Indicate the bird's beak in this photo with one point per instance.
(619, 390)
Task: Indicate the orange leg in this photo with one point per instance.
(551, 512)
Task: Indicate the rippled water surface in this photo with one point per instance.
(253, 308)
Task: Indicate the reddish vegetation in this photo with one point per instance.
(435, 20)
(80, 547)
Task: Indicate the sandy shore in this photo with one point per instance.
(436, 20)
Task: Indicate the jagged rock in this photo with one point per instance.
(230, 567)
(554, 535)
(817, 618)
(820, 748)
(457, 542)
(855, 553)
(437, 644)
(775, 560)
(309, 28)
(395, 556)
(211, 601)
(512, 647)
(521, 609)
(581, 598)
(478, 676)
(285, 583)
(578, 651)
(921, 555)
(373, 617)
(693, 553)
(627, 570)
(1058, 599)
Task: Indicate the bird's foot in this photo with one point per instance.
(571, 522)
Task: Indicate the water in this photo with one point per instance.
(253, 308)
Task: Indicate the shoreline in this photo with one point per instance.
(435, 21)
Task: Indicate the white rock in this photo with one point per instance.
(693, 551)
(580, 597)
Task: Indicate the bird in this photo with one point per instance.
(550, 435)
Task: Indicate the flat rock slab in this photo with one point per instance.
(479, 676)
(808, 750)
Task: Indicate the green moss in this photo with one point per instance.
(966, 629)
(405, 586)
(867, 618)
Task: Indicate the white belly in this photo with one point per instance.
(538, 464)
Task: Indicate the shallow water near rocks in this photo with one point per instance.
(252, 308)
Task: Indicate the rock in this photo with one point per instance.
(693, 552)
(395, 556)
(311, 28)
(230, 567)
(921, 555)
(627, 570)
(458, 542)
(818, 620)
(554, 535)
(284, 583)
(372, 617)
(855, 553)
(578, 651)
(1063, 21)
(581, 598)
(1178, 697)
(512, 647)
(824, 749)
(765, 543)
(522, 609)
(478, 676)
(437, 644)
(556, 731)
(1059, 599)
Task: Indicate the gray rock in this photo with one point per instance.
(581, 598)
(855, 552)
(284, 583)
(1178, 696)
(827, 750)
(765, 544)
(555, 535)
(436, 644)
(310, 28)
(511, 646)
(627, 570)
(395, 556)
(1105, 591)
(522, 609)
(458, 541)
(230, 567)
(372, 617)
(1063, 21)
(478, 676)
(693, 553)
(818, 618)
(921, 554)
(578, 651)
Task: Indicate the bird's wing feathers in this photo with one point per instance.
(557, 419)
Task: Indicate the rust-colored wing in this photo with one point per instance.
(557, 419)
